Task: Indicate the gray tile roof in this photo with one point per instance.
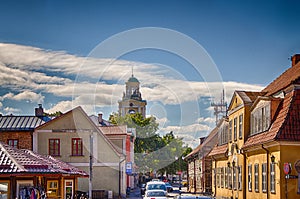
(19, 123)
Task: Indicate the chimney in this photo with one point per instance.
(295, 59)
(100, 120)
(202, 139)
(39, 112)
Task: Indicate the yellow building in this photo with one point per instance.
(272, 149)
(230, 166)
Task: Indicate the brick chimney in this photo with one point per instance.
(39, 112)
(100, 120)
(295, 59)
(202, 139)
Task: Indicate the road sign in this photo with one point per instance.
(287, 168)
(129, 168)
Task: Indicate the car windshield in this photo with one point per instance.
(156, 186)
(156, 193)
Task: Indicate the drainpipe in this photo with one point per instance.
(245, 174)
(267, 184)
(120, 175)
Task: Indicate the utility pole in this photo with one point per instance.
(220, 108)
(91, 166)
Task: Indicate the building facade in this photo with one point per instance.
(74, 138)
(259, 158)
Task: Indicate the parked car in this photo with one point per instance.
(156, 185)
(143, 189)
(169, 187)
(155, 194)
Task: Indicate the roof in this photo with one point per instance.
(133, 79)
(248, 97)
(206, 146)
(284, 80)
(19, 123)
(218, 150)
(17, 161)
(114, 130)
(286, 125)
(94, 118)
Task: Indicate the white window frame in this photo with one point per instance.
(272, 178)
(264, 177)
(256, 177)
(240, 178)
(249, 177)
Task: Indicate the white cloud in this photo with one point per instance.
(11, 110)
(26, 72)
(25, 95)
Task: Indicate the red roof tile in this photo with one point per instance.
(218, 150)
(284, 80)
(14, 161)
(286, 125)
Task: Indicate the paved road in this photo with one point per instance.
(136, 194)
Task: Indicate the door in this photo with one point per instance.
(69, 189)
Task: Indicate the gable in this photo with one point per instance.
(235, 102)
(74, 122)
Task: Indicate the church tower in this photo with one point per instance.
(132, 101)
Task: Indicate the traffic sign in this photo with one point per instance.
(287, 168)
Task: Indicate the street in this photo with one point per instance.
(136, 194)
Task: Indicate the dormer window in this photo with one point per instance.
(260, 118)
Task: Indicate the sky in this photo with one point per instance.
(64, 54)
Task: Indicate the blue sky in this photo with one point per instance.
(47, 47)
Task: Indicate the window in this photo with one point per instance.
(240, 178)
(250, 177)
(76, 146)
(54, 147)
(13, 143)
(226, 177)
(241, 126)
(260, 118)
(272, 178)
(264, 177)
(218, 178)
(230, 131)
(256, 180)
(4, 187)
(52, 188)
(222, 177)
(229, 178)
(235, 129)
(234, 178)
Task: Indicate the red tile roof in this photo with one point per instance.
(19, 161)
(286, 125)
(218, 150)
(284, 80)
(113, 130)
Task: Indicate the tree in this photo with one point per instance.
(152, 152)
